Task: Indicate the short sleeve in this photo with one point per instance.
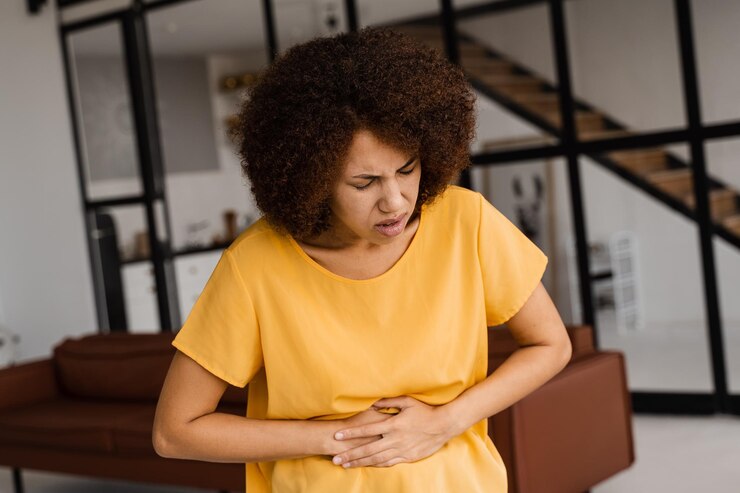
(221, 332)
(511, 264)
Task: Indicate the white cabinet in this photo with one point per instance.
(192, 272)
(140, 296)
(140, 293)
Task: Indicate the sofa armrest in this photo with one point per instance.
(27, 383)
(501, 344)
(574, 431)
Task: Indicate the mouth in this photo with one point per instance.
(392, 221)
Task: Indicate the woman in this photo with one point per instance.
(356, 308)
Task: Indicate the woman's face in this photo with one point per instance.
(379, 184)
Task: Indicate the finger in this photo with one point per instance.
(386, 456)
(359, 452)
(364, 431)
(399, 402)
(392, 462)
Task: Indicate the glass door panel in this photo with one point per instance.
(205, 54)
(105, 120)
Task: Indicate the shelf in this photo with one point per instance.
(179, 253)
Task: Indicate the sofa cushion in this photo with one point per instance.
(68, 424)
(114, 366)
(121, 366)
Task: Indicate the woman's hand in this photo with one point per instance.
(366, 417)
(416, 432)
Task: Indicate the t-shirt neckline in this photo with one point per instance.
(409, 251)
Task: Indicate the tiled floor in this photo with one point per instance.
(674, 454)
(681, 455)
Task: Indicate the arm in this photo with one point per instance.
(545, 350)
(419, 430)
(186, 426)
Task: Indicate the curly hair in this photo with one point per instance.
(294, 131)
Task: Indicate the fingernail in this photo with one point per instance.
(339, 435)
(345, 465)
(337, 460)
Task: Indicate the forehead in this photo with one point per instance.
(368, 153)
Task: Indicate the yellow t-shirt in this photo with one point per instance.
(324, 346)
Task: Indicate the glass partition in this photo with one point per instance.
(105, 117)
(199, 86)
(646, 268)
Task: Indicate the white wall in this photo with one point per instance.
(2, 312)
(626, 62)
(45, 282)
(520, 34)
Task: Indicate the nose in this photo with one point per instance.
(391, 200)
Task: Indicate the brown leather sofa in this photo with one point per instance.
(88, 410)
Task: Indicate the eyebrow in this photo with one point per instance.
(399, 169)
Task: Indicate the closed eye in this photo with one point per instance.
(363, 187)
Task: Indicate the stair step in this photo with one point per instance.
(464, 49)
(721, 203)
(732, 223)
(485, 65)
(677, 182)
(517, 143)
(607, 133)
(420, 31)
(539, 102)
(586, 121)
(432, 36)
(510, 85)
(641, 161)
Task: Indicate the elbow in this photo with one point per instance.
(162, 443)
(566, 352)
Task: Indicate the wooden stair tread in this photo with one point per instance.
(485, 65)
(537, 97)
(676, 182)
(464, 49)
(670, 175)
(607, 133)
(641, 161)
(496, 79)
(517, 143)
(732, 223)
(716, 195)
(509, 85)
(420, 31)
(722, 203)
(585, 120)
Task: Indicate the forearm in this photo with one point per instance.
(524, 371)
(219, 437)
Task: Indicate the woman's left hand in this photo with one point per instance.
(416, 432)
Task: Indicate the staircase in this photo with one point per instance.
(655, 171)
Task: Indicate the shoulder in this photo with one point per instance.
(256, 246)
(456, 204)
(462, 197)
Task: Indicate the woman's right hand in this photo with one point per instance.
(368, 416)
